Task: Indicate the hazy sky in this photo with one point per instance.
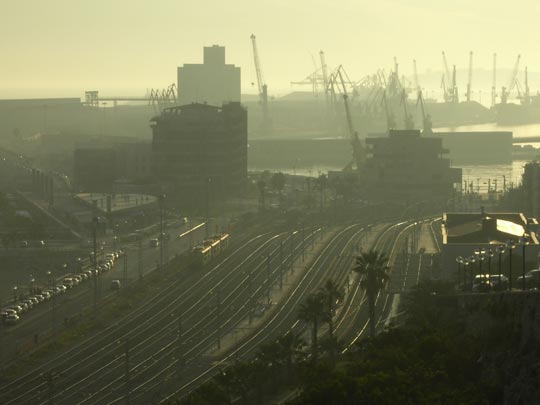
(63, 47)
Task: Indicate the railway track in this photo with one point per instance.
(32, 385)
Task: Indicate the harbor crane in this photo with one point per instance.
(263, 88)
(426, 118)
(494, 82)
(416, 82)
(357, 149)
(505, 91)
(408, 119)
(468, 94)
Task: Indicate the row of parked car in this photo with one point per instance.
(496, 282)
(12, 314)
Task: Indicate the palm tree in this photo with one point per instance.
(312, 311)
(331, 292)
(290, 346)
(372, 266)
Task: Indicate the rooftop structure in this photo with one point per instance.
(407, 165)
(213, 82)
(465, 233)
(200, 152)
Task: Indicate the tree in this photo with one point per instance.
(321, 183)
(331, 292)
(261, 186)
(312, 311)
(277, 182)
(373, 269)
(290, 346)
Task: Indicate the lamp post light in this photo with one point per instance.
(489, 254)
(472, 259)
(49, 273)
(524, 241)
(480, 254)
(459, 261)
(510, 244)
(466, 264)
(500, 251)
(32, 281)
(15, 288)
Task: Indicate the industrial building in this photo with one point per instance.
(407, 166)
(463, 234)
(213, 82)
(200, 152)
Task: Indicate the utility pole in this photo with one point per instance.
(268, 281)
(179, 354)
(125, 271)
(250, 307)
(280, 265)
(303, 243)
(292, 252)
(128, 388)
(50, 387)
(218, 318)
(161, 204)
(140, 264)
(94, 256)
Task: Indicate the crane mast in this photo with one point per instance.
(494, 83)
(263, 88)
(355, 141)
(455, 95)
(416, 82)
(468, 95)
(527, 96)
(505, 91)
(324, 69)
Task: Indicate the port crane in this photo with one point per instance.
(469, 81)
(426, 118)
(416, 82)
(408, 119)
(337, 80)
(494, 82)
(263, 88)
(505, 91)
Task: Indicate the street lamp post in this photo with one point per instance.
(524, 241)
(489, 254)
(500, 251)
(466, 264)
(510, 244)
(49, 274)
(15, 288)
(472, 259)
(459, 261)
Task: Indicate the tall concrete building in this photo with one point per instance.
(200, 152)
(213, 82)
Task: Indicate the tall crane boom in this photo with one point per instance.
(505, 91)
(494, 83)
(263, 88)
(416, 82)
(446, 70)
(468, 95)
(355, 141)
(324, 70)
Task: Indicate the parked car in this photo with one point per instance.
(532, 279)
(29, 303)
(482, 283)
(62, 288)
(154, 242)
(68, 282)
(12, 319)
(110, 256)
(499, 282)
(22, 244)
(34, 300)
(115, 284)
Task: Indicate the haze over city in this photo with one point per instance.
(269, 202)
(61, 48)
